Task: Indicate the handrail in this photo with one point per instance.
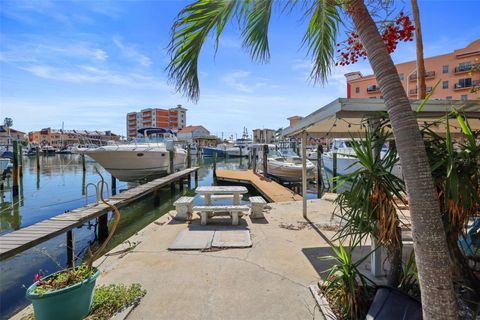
(86, 192)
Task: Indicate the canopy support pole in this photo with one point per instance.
(304, 173)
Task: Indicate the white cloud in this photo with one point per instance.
(241, 81)
(131, 51)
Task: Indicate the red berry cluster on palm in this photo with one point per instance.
(352, 49)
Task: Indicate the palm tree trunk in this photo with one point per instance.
(421, 85)
(429, 239)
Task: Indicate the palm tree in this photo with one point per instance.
(197, 20)
(421, 85)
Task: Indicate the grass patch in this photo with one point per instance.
(111, 299)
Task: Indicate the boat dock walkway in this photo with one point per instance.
(270, 189)
(26, 238)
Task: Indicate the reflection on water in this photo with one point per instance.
(60, 186)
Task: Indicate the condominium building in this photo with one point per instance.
(453, 70)
(59, 138)
(264, 136)
(7, 135)
(173, 118)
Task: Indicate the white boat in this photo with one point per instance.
(241, 147)
(48, 150)
(346, 159)
(144, 158)
(285, 165)
(4, 164)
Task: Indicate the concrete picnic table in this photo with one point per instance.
(208, 191)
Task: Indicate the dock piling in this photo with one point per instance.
(254, 160)
(319, 171)
(265, 160)
(114, 186)
(15, 170)
(103, 227)
(20, 156)
(189, 157)
(70, 249)
(196, 178)
(214, 165)
(334, 172)
(37, 156)
(84, 168)
(171, 155)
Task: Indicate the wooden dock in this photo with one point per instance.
(25, 238)
(270, 189)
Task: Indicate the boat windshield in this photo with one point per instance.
(159, 137)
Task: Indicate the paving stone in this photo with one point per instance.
(192, 240)
(232, 239)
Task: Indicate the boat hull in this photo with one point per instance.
(291, 173)
(137, 165)
(348, 165)
(209, 152)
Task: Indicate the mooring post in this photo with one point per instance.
(265, 154)
(114, 186)
(189, 157)
(84, 168)
(214, 165)
(37, 156)
(103, 227)
(20, 155)
(171, 155)
(319, 171)
(70, 250)
(156, 198)
(334, 172)
(254, 160)
(15, 169)
(196, 178)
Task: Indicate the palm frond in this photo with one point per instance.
(320, 37)
(256, 30)
(189, 32)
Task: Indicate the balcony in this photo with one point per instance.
(468, 85)
(412, 92)
(465, 68)
(428, 75)
(373, 89)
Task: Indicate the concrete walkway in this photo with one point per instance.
(268, 281)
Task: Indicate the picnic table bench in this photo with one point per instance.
(209, 191)
(234, 211)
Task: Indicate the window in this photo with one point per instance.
(445, 84)
(464, 83)
(449, 98)
(401, 76)
(371, 88)
(357, 90)
(373, 97)
(464, 97)
(465, 66)
(445, 69)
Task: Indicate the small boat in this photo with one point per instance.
(5, 163)
(143, 158)
(220, 150)
(64, 150)
(346, 159)
(286, 165)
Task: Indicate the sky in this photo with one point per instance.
(87, 63)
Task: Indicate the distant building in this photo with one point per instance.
(189, 133)
(451, 69)
(264, 136)
(173, 118)
(7, 135)
(59, 138)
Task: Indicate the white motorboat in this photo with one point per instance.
(5, 163)
(241, 147)
(285, 165)
(144, 158)
(346, 159)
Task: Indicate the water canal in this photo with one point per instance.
(58, 187)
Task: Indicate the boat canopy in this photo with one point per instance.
(154, 130)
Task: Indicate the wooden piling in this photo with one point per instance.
(196, 178)
(114, 186)
(319, 171)
(189, 157)
(37, 156)
(254, 160)
(334, 172)
(15, 170)
(70, 250)
(214, 165)
(20, 155)
(265, 160)
(171, 156)
(84, 168)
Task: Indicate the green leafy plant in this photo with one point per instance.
(369, 206)
(345, 287)
(409, 280)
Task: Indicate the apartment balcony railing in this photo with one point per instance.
(415, 91)
(373, 89)
(459, 86)
(428, 75)
(466, 68)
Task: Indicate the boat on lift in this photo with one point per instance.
(141, 159)
(285, 165)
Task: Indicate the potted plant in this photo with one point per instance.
(68, 294)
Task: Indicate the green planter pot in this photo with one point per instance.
(70, 303)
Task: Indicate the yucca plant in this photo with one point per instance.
(369, 207)
(345, 287)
